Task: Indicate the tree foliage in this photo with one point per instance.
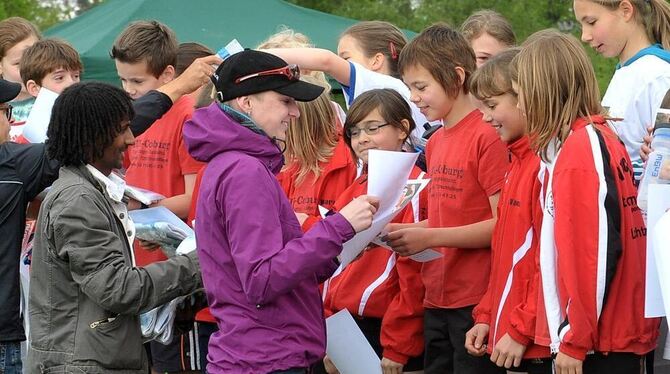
(526, 16)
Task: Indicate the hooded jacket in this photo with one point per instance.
(261, 274)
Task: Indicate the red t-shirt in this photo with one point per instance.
(159, 160)
(466, 165)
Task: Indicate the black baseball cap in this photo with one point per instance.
(8, 90)
(249, 62)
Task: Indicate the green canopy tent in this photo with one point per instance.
(210, 22)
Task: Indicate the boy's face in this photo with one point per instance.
(9, 65)
(56, 81)
(427, 93)
(502, 113)
(137, 80)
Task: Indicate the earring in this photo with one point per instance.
(249, 114)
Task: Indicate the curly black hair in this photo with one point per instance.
(85, 119)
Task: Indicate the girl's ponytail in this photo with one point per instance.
(658, 22)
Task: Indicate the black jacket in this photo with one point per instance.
(25, 171)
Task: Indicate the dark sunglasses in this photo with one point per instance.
(292, 72)
(8, 108)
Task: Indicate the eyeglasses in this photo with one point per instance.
(8, 108)
(292, 72)
(354, 131)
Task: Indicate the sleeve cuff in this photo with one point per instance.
(518, 337)
(395, 356)
(573, 352)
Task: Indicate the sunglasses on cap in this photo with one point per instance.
(8, 108)
(292, 72)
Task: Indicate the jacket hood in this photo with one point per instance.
(212, 131)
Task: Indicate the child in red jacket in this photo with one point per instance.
(382, 290)
(592, 242)
(507, 313)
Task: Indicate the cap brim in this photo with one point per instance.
(8, 90)
(301, 91)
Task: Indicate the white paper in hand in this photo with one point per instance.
(660, 236)
(347, 347)
(35, 130)
(659, 202)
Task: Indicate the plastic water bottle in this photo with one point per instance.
(657, 170)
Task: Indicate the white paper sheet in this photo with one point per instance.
(426, 255)
(659, 202)
(660, 237)
(35, 130)
(347, 347)
(387, 177)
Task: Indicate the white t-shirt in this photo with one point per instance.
(635, 94)
(362, 80)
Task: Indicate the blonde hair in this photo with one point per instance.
(489, 22)
(654, 15)
(557, 85)
(289, 38)
(312, 137)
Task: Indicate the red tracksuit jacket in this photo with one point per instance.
(592, 249)
(511, 300)
(380, 284)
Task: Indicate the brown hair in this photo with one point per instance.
(557, 85)
(440, 50)
(654, 15)
(391, 106)
(490, 22)
(47, 55)
(14, 30)
(379, 37)
(311, 139)
(493, 78)
(187, 53)
(149, 41)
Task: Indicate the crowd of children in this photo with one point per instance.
(532, 174)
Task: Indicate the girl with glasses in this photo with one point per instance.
(384, 291)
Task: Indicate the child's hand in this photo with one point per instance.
(508, 352)
(475, 339)
(565, 364)
(330, 367)
(646, 149)
(407, 241)
(391, 367)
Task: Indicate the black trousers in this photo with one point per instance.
(444, 334)
(613, 363)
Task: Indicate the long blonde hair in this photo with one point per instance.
(557, 85)
(311, 139)
(654, 15)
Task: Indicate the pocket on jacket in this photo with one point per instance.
(115, 344)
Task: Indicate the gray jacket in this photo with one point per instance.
(85, 295)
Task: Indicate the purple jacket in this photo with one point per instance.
(261, 274)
